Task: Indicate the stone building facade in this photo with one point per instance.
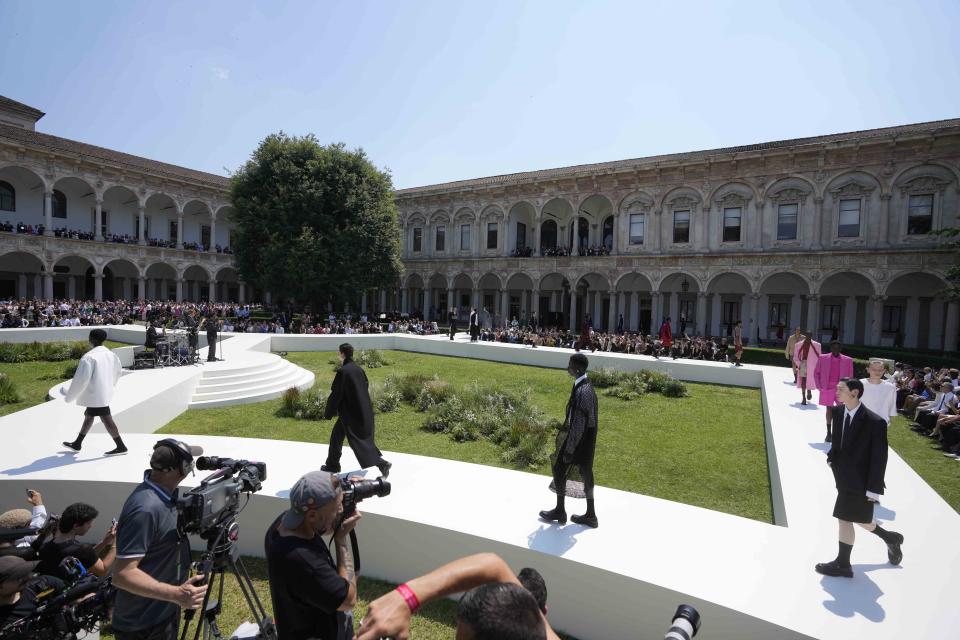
(828, 233)
(174, 222)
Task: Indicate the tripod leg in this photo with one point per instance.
(265, 624)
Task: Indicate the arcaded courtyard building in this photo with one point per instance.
(828, 233)
(89, 222)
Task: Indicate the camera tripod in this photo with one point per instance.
(222, 554)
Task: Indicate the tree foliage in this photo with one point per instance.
(314, 223)
(950, 238)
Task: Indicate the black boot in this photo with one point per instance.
(384, 467)
(558, 515)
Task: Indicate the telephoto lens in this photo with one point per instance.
(686, 623)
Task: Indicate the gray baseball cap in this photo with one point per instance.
(311, 491)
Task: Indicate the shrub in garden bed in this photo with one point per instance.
(302, 405)
(8, 390)
(47, 351)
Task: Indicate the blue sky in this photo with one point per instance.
(439, 91)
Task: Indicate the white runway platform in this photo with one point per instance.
(748, 579)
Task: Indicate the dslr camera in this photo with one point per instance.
(356, 490)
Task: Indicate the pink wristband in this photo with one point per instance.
(409, 596)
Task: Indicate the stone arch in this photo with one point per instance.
(28, 187)
(520, 226)
(74, 271)
(121, 210)
(553, 282)
(413, 281)
(784, 283)
(462, 281)
(596, 208)
(801, 184)
(227, 284)
(633, 281)
(730, 281)
(673, 283)
(196, 283)
(744, 190)
(560, 211)
(639, 198)
(915, 283)
(593, 281)
(861, 177)
(489, 281)
(196, 215)
(682, 191)
(161, 210)
(440, 215)
(21, 275)
(120, 279)
(926, 168)
(437, 281)
(80, 199)
(520, 281)
(195, 271)
(164, 277)
(465, 214)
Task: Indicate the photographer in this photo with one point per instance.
(19, 589)
(77, 520)
(312, 596)
(495, 606)
(153, 557)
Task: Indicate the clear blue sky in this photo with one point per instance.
(447, 90)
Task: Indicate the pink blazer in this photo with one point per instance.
(812, 357)
(822, 373)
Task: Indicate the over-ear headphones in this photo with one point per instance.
(180, 450)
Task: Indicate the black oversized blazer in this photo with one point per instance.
(859, 466)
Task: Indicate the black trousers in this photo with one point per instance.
(363, 448)
(164, 631)
(560, 471)
(211, 346)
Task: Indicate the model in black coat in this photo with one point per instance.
(858, 459)
(474, 325)
(350, 401)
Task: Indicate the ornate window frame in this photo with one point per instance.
(439, 219)
(732, 199)
(924, 184)
(464, 216)
(492, 215)
(851, 189)
(683, 202)
(636, 205)
(787, 196)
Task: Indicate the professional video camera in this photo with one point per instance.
(686, 624)
(61, 615)
(356, 490)
(217, 499)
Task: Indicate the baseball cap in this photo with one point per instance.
(312, 491)
(15, 519)
(165, 457)
(15, 568)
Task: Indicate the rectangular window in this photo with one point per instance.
(636, 228)
(849, 223)
(521, 236)
(779, 313)
(465, 237)
(441, 241)
(491, 235)
(891, 318)
(681, 226)
(787, 221)
(731, 224)
(205, 236)
(173, 230)
(920, 214)
(417, 239)
(830, 316)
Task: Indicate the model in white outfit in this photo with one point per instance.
(92, 387)
(879, 395)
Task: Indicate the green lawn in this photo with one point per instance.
(940, 472)
(34, 379)
(707, 449)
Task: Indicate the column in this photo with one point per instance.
(597, 311)
(536, 236)
(796, 306)
(715, 303)
(764, 318)
(573, 310)
(475, 296)
(818, 223)
(622, 310)
(22, 285)
(575, 249)
(611, 311)
(451, 295)
(48, 286)
(701, 313)
(125, 288)
(884, 240)
(37, 286)
(615, 247)
(953, 325)
(426, 303)
(674, 313)
(163, 289)
(523, 306)
(97, 287)
(48, 213)
(143, 225)
(195, 293)
(534, 305)
(849, 320)
(657, 221)
(213, 235)
(98, 221)
(71, 287)
(912, 322)
(141, 288)
(242, 292)
(213, 290)
(813, 316)
(656, 315)
(404, 300)
(179, 289)
(179, 227)
(635, 311)
(754, 321)
(876, 326)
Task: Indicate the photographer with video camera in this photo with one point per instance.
(312, 595)
(153, 556)
(19, 589)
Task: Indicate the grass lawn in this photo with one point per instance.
(940, 472)
(34, 379)
(655, 446)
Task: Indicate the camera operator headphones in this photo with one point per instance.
(181, 451)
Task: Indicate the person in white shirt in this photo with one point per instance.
(92, 387)
(879, 395)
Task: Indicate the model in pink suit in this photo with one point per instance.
(805, 357)
(830, 370)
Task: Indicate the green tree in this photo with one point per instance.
(314, 223)
(950, 239)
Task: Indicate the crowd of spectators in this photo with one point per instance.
(593, 250)
(928, 398)
(27, 229)
(76, 234)
(21, 314)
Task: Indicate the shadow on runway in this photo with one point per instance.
(553, 538)
(820, 446)
(810, 406)
(880, 512)
(50, 462)
(857, 595)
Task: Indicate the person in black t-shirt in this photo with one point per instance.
(76, 521)
(312, 596)
(18, 592)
